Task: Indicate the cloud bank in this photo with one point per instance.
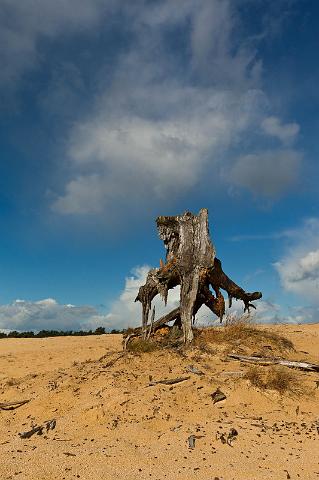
(25, 25)
(268, 173)
(178, 90)
(48, 314)
(299, 268)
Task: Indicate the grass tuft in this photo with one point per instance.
(275, 378)
(242, 332)
(283, 380)
(255, 376)
(139, 345)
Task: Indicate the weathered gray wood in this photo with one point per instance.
(190, 263)
(170, 381)
(152, 323)
(312, 367)
(195, 252)
(13, 405)
(38, 429)
(169, 317)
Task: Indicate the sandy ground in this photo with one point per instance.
(110, 423)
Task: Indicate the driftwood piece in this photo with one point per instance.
(38, 429)
(191, 440)
(227, 438)
(218, 396)
(264, 361)
(152, 323)
(128, 338)
(170, 381)
(191, 263)
(195, 370)
(13, 405)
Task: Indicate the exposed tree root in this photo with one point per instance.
(190, 263)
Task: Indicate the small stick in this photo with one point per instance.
(38, 429)
(152, 323)
(13, 405)
(171, 381)
(111, 362)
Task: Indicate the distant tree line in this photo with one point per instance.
(57, 333)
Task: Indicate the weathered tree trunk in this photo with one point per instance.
(190, 263)
(195, 253)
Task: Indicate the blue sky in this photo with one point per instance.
(114, 112)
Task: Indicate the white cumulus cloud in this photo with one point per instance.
(162, 125)
(287, 133)
(167, 105)
(48, 314)
(299, 267)
(152, 158)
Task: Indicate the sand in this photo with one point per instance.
(111, 424)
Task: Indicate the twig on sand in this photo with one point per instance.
(111, 362)
(38, 429)
(170, 381)
(193, 369)
(13, 405)
(218, 396)
(191, 440)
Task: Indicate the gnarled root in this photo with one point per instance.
(163, 279)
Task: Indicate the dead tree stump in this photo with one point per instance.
(191, 263)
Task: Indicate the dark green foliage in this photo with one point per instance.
(99, 331)
(13, 334)
(56, 333)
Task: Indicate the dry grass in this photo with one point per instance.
(284, 381)
(276, 378)
(239, 333)
(139, 345)
(242, 332)
(255, 376)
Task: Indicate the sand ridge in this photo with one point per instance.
(111, 421)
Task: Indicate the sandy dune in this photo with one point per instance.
(110, 423)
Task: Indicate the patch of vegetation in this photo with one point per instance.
(164, 337)
(238, 333)
(139, 345)
(277, 378)
(255, 376)
(283, 380)
(242, 332)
